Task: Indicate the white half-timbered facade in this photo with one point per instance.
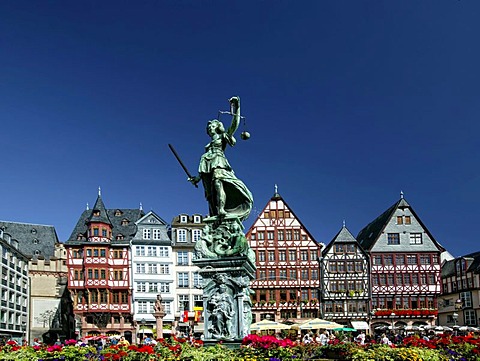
(405, 267)
(345, 276)
(287, 276)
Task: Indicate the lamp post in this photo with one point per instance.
(392, 315)
(142, 321)
(24, 332)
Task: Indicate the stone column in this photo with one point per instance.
(159, 314)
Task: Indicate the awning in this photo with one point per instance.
(360, 325)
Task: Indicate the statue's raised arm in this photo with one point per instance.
(235, 111)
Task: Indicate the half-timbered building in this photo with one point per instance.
(459, 304)
(99, 272)
(405, 268)
(287, 276)
(345, 277)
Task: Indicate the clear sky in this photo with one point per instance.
(348, 103)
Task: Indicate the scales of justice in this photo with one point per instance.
(226, 261)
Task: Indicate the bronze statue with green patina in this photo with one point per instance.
(225, 193)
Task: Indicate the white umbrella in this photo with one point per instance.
(318, 323)
(268, 325)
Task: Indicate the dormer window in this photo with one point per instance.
(34, 231)
(125, 222)
(96, 213)
(120, 237)
(118, 213)
(37, 252)
(197, 219)
(35, 241)
(95, 232)
(183, 219)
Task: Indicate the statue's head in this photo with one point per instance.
(222, 288)
(215, 126)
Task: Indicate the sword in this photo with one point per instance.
(181, 163)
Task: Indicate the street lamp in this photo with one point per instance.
(392, 315)
(142, 321)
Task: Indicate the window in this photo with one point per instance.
(296, 234)
(282, 255)
(182, 258)
(147, 233)
(163, 251)
(314, 274)
(142, 307)
(197, 279)
(338, 248)
(377, 260)
(393, 238)
(152, 268)
(197, 219)
(388, 260)
(260, 236)
(399, 220)
(164, 269)
(304, 274)
(140, 251)
(181, 235)
(153, 287)
(288, 234)
(466, 298)
(182, 278)
(95, 231)
(152, 251)
(350, 248)
(313, 255)
(271, 275)
(411, 259)
(167, 307)
(304, 255)
(183, 303)
(157, 234)
(271, 256)
(183, 219)
(164, 287)
(270, 235)
(282, 274)
(261, 256)
(407, 220)
(416, 238)
(140, 267)
(470, 318)
(196, 235)
(141, 287)
(292, 255)
(280, 235)
(424, 259)
(104, 232)
(399, 259)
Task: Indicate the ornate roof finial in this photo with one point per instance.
(401, 194)
(276, 189)
(343, 223)
(88, 207)
(141, 206)
(99, 191)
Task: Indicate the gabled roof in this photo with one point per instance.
(370, 234)
(276, 197)
(343, 236)
(99, 212)
(32, 238)
(473, 261)
(111, 216)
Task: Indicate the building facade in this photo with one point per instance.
(152, 272)
(99, 270)
(405, 268)
(287, 281)
(186, 231)
(15, 290)
(50, 308)
(345, 278)
(459, 304)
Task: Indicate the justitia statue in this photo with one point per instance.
(226, 261)
(226, 194)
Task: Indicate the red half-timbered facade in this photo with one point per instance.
(405, 268)
(98, 260)
(287, 278)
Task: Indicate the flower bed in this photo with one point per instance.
(256, 348)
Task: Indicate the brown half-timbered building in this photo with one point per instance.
(98, 260)
(345, 277)
(287, 278)
(405, 268)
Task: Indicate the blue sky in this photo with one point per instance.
(348, 103)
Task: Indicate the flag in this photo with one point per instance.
(185, 316)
